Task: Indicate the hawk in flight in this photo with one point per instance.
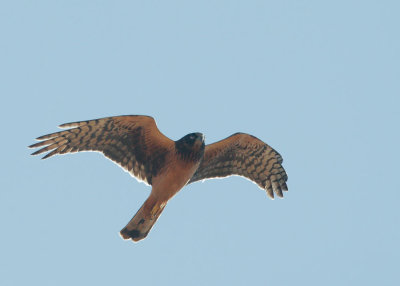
(135, 143)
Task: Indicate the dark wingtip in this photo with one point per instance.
(43, 137)
(67, 125)
(270, 193)
(35, 145)
(47, 155)
(36, 152)
(278, 191)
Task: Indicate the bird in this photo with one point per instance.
(135, 143)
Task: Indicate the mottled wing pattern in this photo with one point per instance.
(244, 155)
(134, 142)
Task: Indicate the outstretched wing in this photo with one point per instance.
(244, 155)
(134, 142)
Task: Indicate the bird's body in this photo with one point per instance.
(135, 143)
(176, 173)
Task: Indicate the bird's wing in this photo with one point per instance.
(133, 142)
(244, 155)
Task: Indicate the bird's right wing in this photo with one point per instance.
(133, 142)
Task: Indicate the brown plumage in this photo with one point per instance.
(135, 143)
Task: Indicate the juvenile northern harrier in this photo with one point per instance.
(135, 143)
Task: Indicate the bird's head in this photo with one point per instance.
(191, 146)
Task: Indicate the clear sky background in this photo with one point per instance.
(317, 80)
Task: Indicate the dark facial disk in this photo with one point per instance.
(191, 147)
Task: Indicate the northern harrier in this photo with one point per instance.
(135, 143)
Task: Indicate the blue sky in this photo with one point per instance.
(317, 80)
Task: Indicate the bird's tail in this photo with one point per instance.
(141, 224)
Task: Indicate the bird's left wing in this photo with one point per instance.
(133, 142)
(244, 155)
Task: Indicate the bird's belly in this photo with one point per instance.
(171, 181)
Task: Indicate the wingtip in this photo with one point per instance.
(270, 193)
(275, 190)
(46, 156)
(38, 144)
(36, 152)
(47, 136)
(278, 191)
(31, 146)
(75, 124)
(66, 125)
